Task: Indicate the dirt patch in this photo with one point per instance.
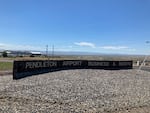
(4, 73)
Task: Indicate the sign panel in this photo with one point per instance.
(27, 68)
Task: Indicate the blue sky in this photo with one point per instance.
(104, 26)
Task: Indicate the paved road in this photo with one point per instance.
(145, 68)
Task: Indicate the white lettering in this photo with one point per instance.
(124, 63)
(98, 63)
(41, 64)
(72, 63)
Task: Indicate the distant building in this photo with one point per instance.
(21, 53)
(11, 53)
(35, 53)
(17, 53)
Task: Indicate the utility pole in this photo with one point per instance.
(146, 56)
(46, 50)
(52, 50)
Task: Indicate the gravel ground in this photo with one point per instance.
(77, 91)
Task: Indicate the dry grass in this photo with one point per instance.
(79, 57)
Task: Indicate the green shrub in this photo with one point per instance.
(4, 54)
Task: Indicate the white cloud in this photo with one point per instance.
(2, 45)
(114, 47)
(19, 47)
(123, 48)
(87, 44)
(131, 50)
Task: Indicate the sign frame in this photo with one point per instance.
(27, 68)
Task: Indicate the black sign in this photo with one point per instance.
(27, 68)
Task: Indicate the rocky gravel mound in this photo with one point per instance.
(77, 91)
